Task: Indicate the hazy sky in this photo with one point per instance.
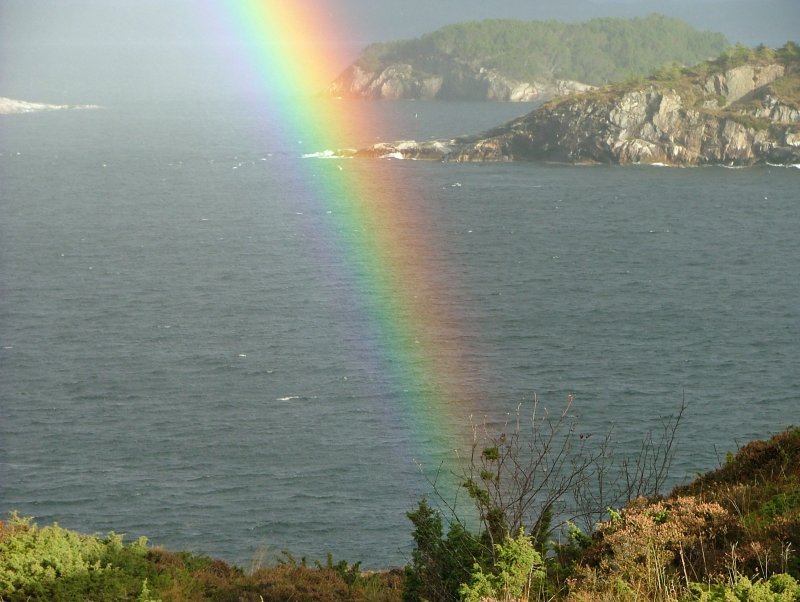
(105, 50)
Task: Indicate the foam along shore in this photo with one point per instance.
(10, 106)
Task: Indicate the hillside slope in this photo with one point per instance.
(519, 61)
(732, 534)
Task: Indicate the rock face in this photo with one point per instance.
(463, 82)
(736, 84)
(732, 117)
(394, 83)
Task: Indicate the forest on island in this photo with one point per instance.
(594, 52)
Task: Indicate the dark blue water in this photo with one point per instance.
(176, 359)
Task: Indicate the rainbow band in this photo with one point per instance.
(399, 288)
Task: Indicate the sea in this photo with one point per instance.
(174, 361)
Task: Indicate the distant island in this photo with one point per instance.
(10, 106)
(742, 108)
(511, 60)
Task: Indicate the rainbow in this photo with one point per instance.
(401, 291)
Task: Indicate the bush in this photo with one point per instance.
(532, 479)
(440, 565)
(778, 588)
(55, 564)
(518, 570)
(654, 550)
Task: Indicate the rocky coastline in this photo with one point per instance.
(715, 113)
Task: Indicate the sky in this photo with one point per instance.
(103, 51)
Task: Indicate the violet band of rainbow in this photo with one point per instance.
(401, 275)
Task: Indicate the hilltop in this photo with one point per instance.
(510, 60)
(740, 109)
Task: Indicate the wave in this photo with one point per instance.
(787, 165)
(9, 106)
(326, 154)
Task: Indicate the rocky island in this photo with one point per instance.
(520, 61)
(740, 109)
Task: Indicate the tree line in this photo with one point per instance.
(595, 52)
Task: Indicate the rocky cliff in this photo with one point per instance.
(461, 82)
(714, 113)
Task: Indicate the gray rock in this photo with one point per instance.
(652, 124)
(740, 82)
(464, 82)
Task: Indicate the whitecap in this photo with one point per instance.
(326, 154)
(289, 398)
(395, 155)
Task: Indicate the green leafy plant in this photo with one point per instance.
(350, 574)
(778, 588)
(517, 570)
(52, 563)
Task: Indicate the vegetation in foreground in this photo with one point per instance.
(731, 535)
